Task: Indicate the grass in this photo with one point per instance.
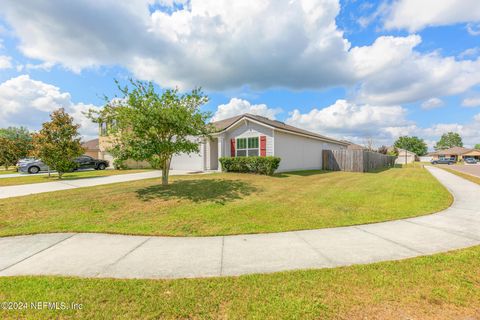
(443, 286)
(10, 170)
(222, 204)
(464, 175)
(28, 179)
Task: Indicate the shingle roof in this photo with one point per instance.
(226, 123)
(91, 144)
(452, 151)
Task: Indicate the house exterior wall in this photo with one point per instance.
(92, 153)
(401, 159)
(247, 129)
(300, 153)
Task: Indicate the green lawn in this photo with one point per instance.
(464, 175)
(221, 204)
(443, 286)
(10, 170)
(39, 178)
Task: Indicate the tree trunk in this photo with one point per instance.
(166, 171)
(60, 174)
(6, 167)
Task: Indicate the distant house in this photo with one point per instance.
(250, 135)
(354, 146)
(92, 148)
(457, 153)
(404, 156)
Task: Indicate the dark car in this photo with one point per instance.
(87, 162)
(471, 161)
(444, 161)
(84, 162)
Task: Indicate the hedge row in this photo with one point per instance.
(260, 165)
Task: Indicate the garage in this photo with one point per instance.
(188, 162)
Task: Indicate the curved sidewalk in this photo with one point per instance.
(119, 256)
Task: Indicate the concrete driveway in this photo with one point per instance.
(472, 169)
(34, 188)
(121, 256)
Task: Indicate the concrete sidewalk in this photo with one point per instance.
(34, 188)
(119, 256)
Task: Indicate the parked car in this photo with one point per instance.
(22, 161)
(87, 162)
(84, 162)
(448, 161)
(471, 161)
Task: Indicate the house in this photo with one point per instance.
(252, 135)
(472, 153)
(457, 153)
(404, 156)
(354, 146)
(92, 148)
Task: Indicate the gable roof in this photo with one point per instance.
(91, 144)
(225, 124)
(452, 151)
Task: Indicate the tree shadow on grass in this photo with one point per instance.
(303, 173)
(201, 190)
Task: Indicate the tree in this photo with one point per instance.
(15, 144)
(369, 144)
(383, 150)
(58, 143)
(148, 126)
(449, 140)
(477, 146)
(393, 152)
(413, 144)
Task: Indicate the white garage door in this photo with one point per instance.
(188, 162)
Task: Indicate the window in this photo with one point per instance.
(247, 147)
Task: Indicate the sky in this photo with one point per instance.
(349, 69)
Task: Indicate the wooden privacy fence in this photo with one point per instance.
(356, 160)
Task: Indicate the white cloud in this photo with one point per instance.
(221, 44)
(212, 43)
(5, 62)
(470, 52)
(471, 102)
(414, 15)
(239, 106)
(409, 76)
(432, 103)
(473, 29)
(359, 122)
(28, 102)
(347, 120)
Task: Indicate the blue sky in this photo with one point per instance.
(353, 70)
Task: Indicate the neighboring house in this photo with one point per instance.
(425, 158)
(457, 153)
(353, 146)
(472, 153)
(251, 135)
(92, 148)
(404, 156)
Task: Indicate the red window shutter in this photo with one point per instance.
(263, 146)
(232, 148)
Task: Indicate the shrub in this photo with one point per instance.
(260, 165)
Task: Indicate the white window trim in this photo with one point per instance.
(247, 148)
